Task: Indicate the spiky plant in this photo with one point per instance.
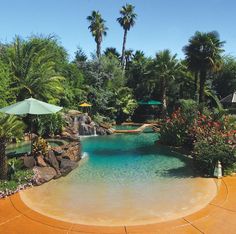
(10, 127)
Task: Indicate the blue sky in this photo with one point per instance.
(161, 24)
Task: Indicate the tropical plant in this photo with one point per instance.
(80, 55)
(203, 56)
(98, 29)
(34, 70)
(175, 129)
(225, 81)
(6, 94)
(49, 125)
(111, 52)
(125, 104)
(127, 21)
(137, 79)
(163, 70)
(10, 127)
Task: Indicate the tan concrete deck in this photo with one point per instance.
(219, 216)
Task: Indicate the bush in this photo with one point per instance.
(174, 129)
(47, 125)
(40, 147)
(17, 175)
(207, 152)
(210, 135)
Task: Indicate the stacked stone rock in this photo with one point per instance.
(58, 162)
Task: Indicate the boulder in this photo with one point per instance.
(29, 162)
(52, 160)
(58, 150)
(67, 166)
(40, 161)
(44, 174)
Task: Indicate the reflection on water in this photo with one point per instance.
(124, 180)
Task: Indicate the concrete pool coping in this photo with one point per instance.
(219, 216)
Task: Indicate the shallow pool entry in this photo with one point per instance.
(123, 180)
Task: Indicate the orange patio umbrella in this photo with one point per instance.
(85, 105)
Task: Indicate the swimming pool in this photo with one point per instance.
(123, 180)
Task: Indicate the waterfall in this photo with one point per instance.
(76, 123)
(94, 131)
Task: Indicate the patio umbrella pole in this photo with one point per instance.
(31, 135)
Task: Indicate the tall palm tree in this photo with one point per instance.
(127, 20)
(10, 126)
(165, 68)
(33, 69)
(203, 56)
(98, 29)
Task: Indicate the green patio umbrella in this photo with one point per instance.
(31, 106)
(150, 102)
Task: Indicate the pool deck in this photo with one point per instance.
(219, 216)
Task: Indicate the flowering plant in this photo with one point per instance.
(208, 136)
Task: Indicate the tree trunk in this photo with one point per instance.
(202, 84)
(123, 49)
(98, 49)
(163, 98)
(196, 95)
(3, 159)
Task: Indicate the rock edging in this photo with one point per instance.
(59, 161)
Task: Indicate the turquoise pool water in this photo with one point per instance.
(123, 180)
(130, 158)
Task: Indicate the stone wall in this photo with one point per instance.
(58, 161)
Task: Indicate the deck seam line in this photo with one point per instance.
(70, 229)
(227, 191)
(193, 225)
(37, 221)
(223, 207)
(9, 220)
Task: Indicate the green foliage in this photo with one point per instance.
(6, 94)
(97, 28)
(225, 80)
(73, 86)
(33, 65)
(126, 20)
(208, 151)
(48, 125)
(203, 56)
(125, 104)
(174, 130)
(40, 147)
(17, 175)
(210, 135)
(10, 127)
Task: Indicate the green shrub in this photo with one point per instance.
(174, 129)
(47, 125)
(17, 175)
(208, 151)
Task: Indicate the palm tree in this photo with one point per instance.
(128, 56)
(98, 29)
(203, 56)
(127, 20)
(112, 52)
(165, 68)
(10, 126)
(33, 69)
